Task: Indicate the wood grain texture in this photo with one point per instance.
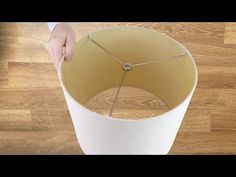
(132, 103)
(34, 118)
(230, 33)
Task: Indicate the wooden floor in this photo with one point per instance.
(34, 118)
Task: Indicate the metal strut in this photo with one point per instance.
(128, 67)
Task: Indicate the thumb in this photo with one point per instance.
(69, 46)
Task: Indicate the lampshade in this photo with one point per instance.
(127, 57)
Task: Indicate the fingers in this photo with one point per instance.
(55, 47)
(62, 41)
(70, 42)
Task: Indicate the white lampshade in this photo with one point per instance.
(93, 69)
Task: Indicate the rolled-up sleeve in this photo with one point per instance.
(51, 26)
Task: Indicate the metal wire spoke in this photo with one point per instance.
(117, 93)
(160, 59)
(128, 67)
(105, 50)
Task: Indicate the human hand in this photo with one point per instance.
(61, 41)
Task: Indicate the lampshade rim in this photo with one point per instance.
(162, 115)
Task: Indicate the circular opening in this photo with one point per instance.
(120, 59)
(132, 103)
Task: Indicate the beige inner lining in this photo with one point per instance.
(92, 70)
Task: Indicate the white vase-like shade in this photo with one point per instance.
(93, 70)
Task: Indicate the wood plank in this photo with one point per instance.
(5, 115)
(196, 120)
(230, 33)
(49, 142)
(205, 143)
(48, 99)
(15, 120)
(24, 42)
(31, 75)
(51, 120)
(207, 98)
(222, 121)
(206, 60)
(3, 73)
(201, 33)
(216, 77)
(212, 55)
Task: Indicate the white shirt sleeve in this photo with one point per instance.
(51, 26)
